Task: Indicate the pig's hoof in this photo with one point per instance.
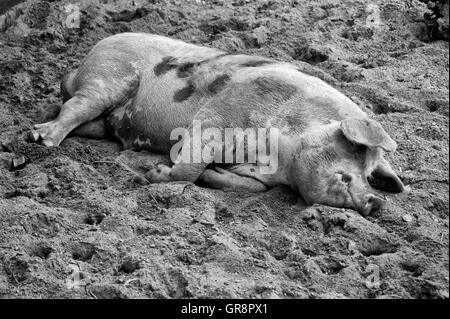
(159, 174)
(46, 133)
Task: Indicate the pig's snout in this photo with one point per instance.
(371, 204)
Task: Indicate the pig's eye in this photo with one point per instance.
(346, 178)
(357, 148)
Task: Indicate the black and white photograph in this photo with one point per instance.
(241, 150)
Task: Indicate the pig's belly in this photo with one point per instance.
(147, 127)
(147, 119)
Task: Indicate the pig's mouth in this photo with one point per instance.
(370, 203)
(347, 195)
(339, 195)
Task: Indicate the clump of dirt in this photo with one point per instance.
(78, 221)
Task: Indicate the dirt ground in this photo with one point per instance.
(78, 222)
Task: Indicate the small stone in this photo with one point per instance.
(312, 268)
(407, 218)
(260, 35)
(352, 246)
(10, 146)
(319, 13)
(6, 160)
(32, 136)
(18, 162)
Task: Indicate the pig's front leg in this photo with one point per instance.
(228, 181)
(191, 161)
(185, 168)
(179, 172)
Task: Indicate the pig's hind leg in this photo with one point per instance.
(97, 94)
(93, 129)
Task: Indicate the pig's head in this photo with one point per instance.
(339, 163)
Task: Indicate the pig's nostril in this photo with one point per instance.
(346, 178)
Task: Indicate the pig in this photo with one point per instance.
(139, 87)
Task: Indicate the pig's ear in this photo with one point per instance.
(384, 178)
(367, 132)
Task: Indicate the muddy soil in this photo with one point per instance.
(79, 222)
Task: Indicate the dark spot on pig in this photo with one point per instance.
(274, 88)
(185, 70)
(164, 66)
(218, 84)
(292, 120)
(256, 63)
(184, 93)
